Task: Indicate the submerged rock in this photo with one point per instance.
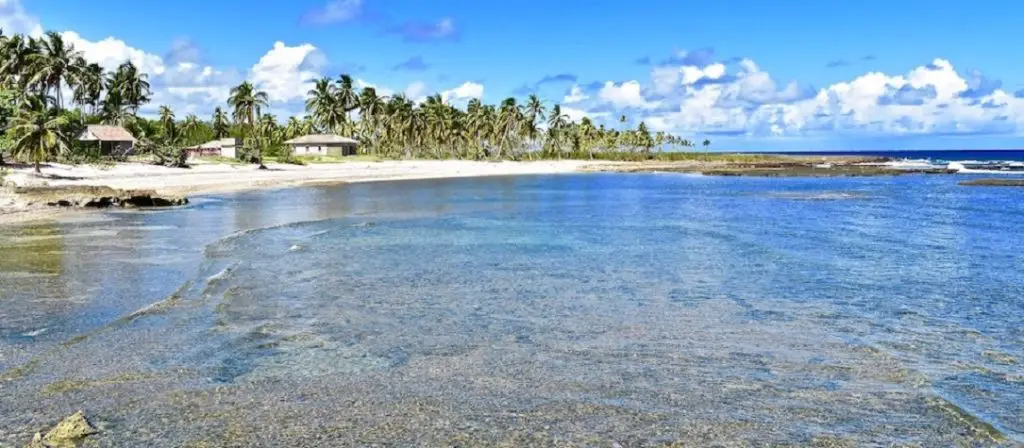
(37, 441)
(67, 433)
(97, 197)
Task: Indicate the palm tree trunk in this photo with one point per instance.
(38, 168)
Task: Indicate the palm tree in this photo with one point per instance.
(54, 65)
(87, 85)
(37, 131)
(221, 127)
(707, 144)
(112, 110)
(17, 53)
(131, 86)
(322, 104)
(556, 122)
(247, 103)
(643, 137)
(190, 127)
(348, 99)
(534, 112)
(167, 122)
(371, 107)
(293, 128)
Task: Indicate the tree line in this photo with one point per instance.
(37, 73)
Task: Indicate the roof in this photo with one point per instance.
(322, 139)
(219, 143)
(105, 133)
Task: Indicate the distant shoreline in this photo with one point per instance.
(213, 178)
(934, 154)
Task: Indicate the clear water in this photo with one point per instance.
(585, 310)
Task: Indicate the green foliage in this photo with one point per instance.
(387, 127)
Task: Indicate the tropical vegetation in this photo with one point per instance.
(40, 78)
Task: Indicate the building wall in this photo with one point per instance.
(228, 152)
(323, 150)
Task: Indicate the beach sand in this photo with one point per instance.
(210, 178)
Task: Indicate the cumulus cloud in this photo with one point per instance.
(14, 19)
(463, 92)
(416, 91)
(287, 73)
(626, 94)
(112, 52)
(575, 95)
(741, 99)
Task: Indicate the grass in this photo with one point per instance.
(339, 159)
(219, 159)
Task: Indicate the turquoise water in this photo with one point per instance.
(587, 310)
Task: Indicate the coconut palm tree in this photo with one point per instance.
(54, 65)
(371, 107)
(87, 85)
(37, 131)
(321, 103)
(17, 53)
(130, 85)
(643, 137)
(556, 123)
(293, 128)
(221, 127)
(534, 113)
(348, 98)
(170, 130)
(247, 103)
(190, 127)
(707, 144)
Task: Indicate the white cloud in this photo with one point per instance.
(14, 19)
(575, 95)
(111, 52)
(381, 91)
(416, 91)
(745, 100)
(577, 115)
(465, 91)
(626, 94)
(287, 73)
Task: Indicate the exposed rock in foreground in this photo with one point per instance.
(993, 183)
(96, 197)
(68, 432)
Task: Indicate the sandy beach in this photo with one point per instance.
(210, 178)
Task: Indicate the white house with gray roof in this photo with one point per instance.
(323, 145)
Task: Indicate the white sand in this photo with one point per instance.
(206, 178)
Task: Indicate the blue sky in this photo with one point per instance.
(786, 74)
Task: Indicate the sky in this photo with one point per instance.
(748, 75)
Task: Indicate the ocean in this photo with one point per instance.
(938, 156)
(584, 309)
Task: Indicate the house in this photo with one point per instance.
(112, 140)
(322, 145)
(224, 147)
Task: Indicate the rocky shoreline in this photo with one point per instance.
(993, 183)
(88, 196)
(779, 166)
(18, 204)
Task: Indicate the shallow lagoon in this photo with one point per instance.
(638, 309)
